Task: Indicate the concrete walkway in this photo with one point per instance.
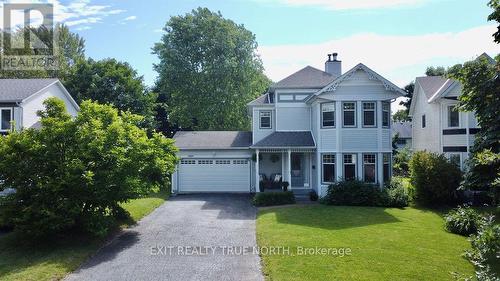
(190, 237)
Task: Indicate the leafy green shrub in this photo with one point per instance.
(273, 198)
(74, 172)
(401, 161)
(463, 220)
(396, 194)
(434, 178)
(352, 193)
(485, 250)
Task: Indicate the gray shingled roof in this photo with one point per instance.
(403, 128)
(260, 100)
(213, 139)
(431, 84)
(287, 139)
(14, 90)
(307, 77)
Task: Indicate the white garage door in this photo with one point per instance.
(214, 175)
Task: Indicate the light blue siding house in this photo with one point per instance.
(310, 129)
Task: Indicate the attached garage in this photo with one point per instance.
(214, 175)
(213, 161)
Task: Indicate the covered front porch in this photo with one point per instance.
(273, 166)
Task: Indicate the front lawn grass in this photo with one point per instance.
(386, 244)
(53, 260)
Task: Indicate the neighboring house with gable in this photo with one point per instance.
(437, 124)
(310, 129)
(20, 99)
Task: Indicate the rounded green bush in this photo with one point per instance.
(463, 220)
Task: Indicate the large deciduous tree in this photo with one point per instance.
(112, 82)
(208, 71)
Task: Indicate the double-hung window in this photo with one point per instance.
(328, 168)
(455, 158)
(6, 119)
(369, 114)
(453, 117)
(387, 166)
(349, 167)
(265, 119)
(349, 114)
(369, 170)
(328, 115)
(386, 114)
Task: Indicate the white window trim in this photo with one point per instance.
(355, 114)
(11, 118)
(374, 114)
(374, 164)
(334, 113)
(270, 119)
(334, 168)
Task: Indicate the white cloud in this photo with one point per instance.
(78, 12)
(125, 20)
(350, 4)
(398, 58)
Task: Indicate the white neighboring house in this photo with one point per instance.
(437, 125)
(20, 99)
(310, 129)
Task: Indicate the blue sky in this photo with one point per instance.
(396, 38)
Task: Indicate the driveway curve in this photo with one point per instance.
(190, 237)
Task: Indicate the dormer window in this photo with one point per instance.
(6, 119)
(369, 114)
(265, 119)
(328, 115)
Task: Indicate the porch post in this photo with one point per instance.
(257, 176)
(289, 167)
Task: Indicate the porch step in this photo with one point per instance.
(302, 196)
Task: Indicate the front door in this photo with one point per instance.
(297, 167)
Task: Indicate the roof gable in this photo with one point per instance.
(372, 75)
(307, 77)
(17, 90)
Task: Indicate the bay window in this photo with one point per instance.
(386, 114)
(328, 115)
(349, 113)
(386, 167)
(369, 114)
(369, 170)
(349, 167)
(453, 116)
(328, 163)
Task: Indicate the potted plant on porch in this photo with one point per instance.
(285, 185)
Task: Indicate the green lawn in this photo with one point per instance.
(52, 261)
(386, 244)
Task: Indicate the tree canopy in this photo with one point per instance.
(112, 82)
(208, 71)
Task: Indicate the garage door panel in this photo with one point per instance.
(214, 175)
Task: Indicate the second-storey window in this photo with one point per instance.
(328, 168)
(349, 112)
(369, 114)
(349, 167)
(386, 114)
(453, 116)
(369, 161)
(265, 119)
(6, 119)
(328, 115)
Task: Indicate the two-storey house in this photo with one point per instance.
(310, 129)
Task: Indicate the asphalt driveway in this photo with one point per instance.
(190, 237)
